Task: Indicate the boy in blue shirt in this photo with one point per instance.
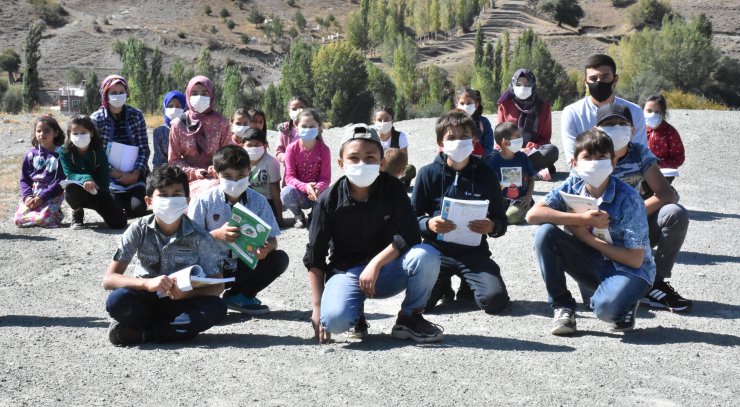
(619, 273)
(164, 242)
(668, 221)
(212, 209)
(513, 170)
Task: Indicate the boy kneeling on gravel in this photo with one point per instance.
(164, 242)
(367, 220)
(621, 272)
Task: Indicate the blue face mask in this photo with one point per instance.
(308, 133)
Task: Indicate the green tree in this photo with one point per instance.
(134, 68)
(381, 85)
(176, 79)
(272, 104)
(564, 11)
(435, 21)
(31, 80)
(207, 10)
(75, 76)
(156, 80)
(232, 94)
(300, 21)
(297, 71)
(497, 63)
(479, 58)
(91, 100)
(224, 13)
(488, 55)
(255, 16)
(203, 64)
(10, 62)
(404, 68)
(648, 13)
(432, 90)
(505, 59)
(338, 67)
(357, 31)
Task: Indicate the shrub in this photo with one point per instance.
(230, 24)
(678, 99)
(213, 29)
(224, 13)
(207, 10)
(245, 38)
(182, 34)
(13, 100)
(213, 43)
(622, 3)
(291, 3)
(50, 12)
(648, 13)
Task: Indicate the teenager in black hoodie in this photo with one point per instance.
(456, 174)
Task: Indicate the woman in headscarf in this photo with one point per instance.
(521, 105)
(120, 125)
(174, 106)
(196, 135)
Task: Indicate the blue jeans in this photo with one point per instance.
(415, 271)
(163, 319)
(295, 200)
(558, 253)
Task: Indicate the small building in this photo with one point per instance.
(70, 98)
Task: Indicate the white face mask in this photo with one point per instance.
(362, 175)
(594, 172)
(653, 120)
(200, 103)
(255, 153)
(469, 109)
(238, 130)
(81, 140)
(522, 92)
(293, 113)
(234, 188)
(169, 209)
(173, 112)
(117, 100)
(458, 150)
(383, 127)
(516, 144)
(620, 135)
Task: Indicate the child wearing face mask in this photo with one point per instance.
(212, 210)
(258, 120)
(289, 130)
(619, 273)
(392, 138)
(86, 167)
(265, 177)
(164, 243)
(668, 221)
(512, 166)
(470, 101)
(41, 194)
(173, 107)
(365, 225)
(455, 173)
(240, 123)
(663, 139)
(117, 122)
(307, 167)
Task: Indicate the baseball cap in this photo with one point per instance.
(362, 132)
(613, 110)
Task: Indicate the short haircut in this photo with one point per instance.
(164, 176)
(504, 131)
(50, 121)
(594, 142)
(240, 112)
(395, 161)
(451, 119)
(230, 157)
(660, 100)
(597, 60)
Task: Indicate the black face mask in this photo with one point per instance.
(600, 91)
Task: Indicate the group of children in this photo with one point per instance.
(366, 238)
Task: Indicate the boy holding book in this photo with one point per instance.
(212, 211)
(619, 273)
(165, 243)
(513, 170)
(458, 175)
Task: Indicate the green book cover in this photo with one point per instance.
(253, 233)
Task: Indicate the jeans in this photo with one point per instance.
(668, 227)
(250, 282)
(481, 274)
(415, 271)
(295, 200)
(558, 253)
(546, 156)
(102, 203)
(163, 319)
(132, 201)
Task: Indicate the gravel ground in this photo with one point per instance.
(55, 348)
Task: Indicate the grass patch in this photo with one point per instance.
(153, 121)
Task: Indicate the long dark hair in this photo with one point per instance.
(476, 96)
(96, 143)
(301, 99)
(660, 100)
(50, 121)
(264, 119)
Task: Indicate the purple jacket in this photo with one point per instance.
(41, 173)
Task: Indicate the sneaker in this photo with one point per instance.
(300, 221)
(564, 322)
(124, 335)
(78, 217)
(416, 328)
(515, 215)
(465, 294)
(662, 295)
(543, 175)
(359, 331)
(245, 305)
(627, 323)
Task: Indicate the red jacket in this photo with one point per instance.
(665, 143)
(507, 111)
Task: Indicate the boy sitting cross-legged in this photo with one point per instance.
(620, 273)
(164, 242)
(212, 209)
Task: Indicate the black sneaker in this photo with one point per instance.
(563, 322)
(78, 217)
(359, 331)
(124, 335)
(465, 294)
(662, 295)
(416, 328)
(627, 323)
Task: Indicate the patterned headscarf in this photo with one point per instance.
(167, 98)
(200, 80)
(107, 83)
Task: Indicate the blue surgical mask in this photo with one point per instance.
(308, 133)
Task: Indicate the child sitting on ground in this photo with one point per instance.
(513, 170)
(212, 211)
(663, 139)
(396, 162)
(41, 194)
(619, 273)
(164, 242)
(239, 122)
(265, 177)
